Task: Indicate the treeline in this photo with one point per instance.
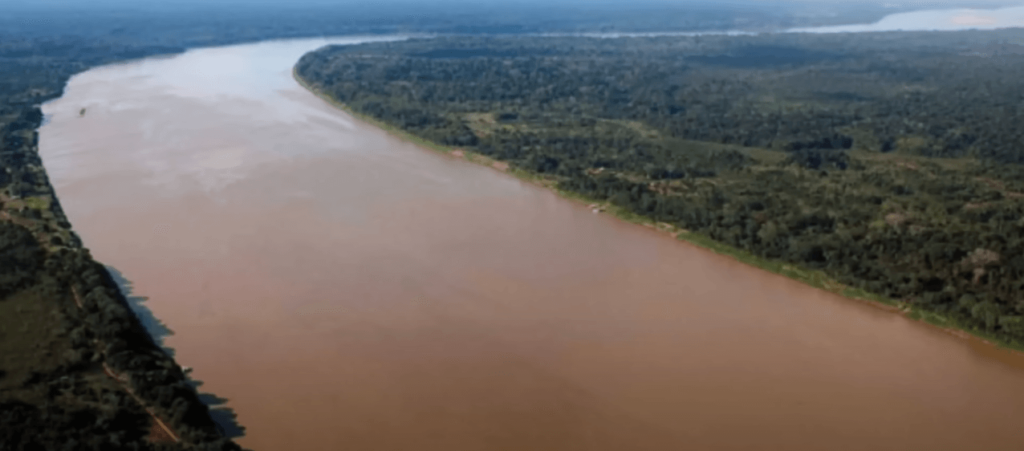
(815, 150)
(55, 390)
(949, 95)
(76, 404)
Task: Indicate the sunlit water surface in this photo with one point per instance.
(936, 20)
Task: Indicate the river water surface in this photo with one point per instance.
(936, 20)
(346, 290)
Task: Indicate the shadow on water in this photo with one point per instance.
(156, 329)
(224, 416)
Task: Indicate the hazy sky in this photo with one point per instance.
(505, 11)
(476, 4)
(169, 3)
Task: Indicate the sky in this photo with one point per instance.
(523, 12)
(817, 4)
(172, 3)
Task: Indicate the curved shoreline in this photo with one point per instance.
(814, 278)
(119, 354)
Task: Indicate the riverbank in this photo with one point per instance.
(64, 357)
(815, 278)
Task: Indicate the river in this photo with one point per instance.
(935, 20)
(343, 289)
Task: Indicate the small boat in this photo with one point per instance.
(81, 112)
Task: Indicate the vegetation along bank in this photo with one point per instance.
(77, 369)
(883, 166)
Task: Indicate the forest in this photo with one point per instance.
(891, 162)
(77, 369)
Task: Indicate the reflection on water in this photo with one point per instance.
(345, 290)
(935, 20)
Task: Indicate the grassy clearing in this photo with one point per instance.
(766, 156)
(814, 278)
(482, 124)
(41, 203)
(28, 341)
(955, 164)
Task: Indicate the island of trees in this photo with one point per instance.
(888, 164)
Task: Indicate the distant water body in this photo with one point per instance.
(926, 20)
(934, 20)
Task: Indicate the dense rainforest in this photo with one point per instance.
(891, 162)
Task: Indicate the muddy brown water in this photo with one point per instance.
(347, 290)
